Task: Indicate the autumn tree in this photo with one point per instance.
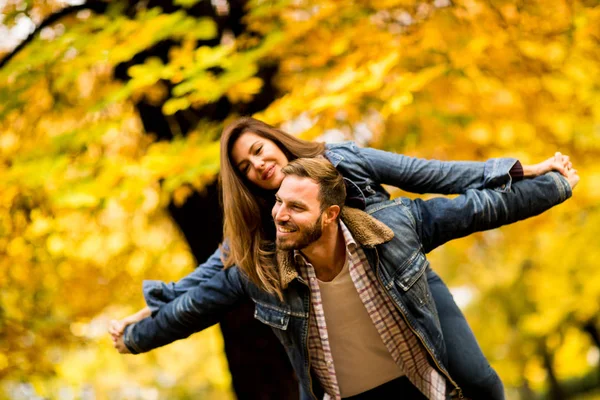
(110, 114)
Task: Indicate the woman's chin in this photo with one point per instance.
(272, 184)
(277, 179)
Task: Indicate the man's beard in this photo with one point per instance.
(307, 236)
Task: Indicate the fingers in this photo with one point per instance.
(116, 328)
(119, 345)
(113, 327)
(567, 163)
(558, 156)
(562, 159)
(561, 163)
(560, 167)
(573, 178)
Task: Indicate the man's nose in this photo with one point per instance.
(281, 215)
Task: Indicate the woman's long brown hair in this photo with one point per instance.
(247, 208)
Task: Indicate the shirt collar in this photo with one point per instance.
(348, 238)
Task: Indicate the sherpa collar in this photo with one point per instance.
(366, 230)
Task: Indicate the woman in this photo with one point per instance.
(250, 175)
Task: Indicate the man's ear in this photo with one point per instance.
(331, 214)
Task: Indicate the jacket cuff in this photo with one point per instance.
(562, 185)
(156, 294)
(497, 174)
(129, 342)
(516, 172)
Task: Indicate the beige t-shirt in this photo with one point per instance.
(361, 360)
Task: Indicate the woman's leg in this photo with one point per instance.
(466, 363)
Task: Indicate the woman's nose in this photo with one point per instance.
(258, 163)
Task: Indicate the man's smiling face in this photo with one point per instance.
(297, 213)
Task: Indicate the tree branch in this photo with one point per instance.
(98, 6)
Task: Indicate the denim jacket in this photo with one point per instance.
(365, 170)
(395, 250)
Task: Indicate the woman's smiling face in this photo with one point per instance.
(259, 159)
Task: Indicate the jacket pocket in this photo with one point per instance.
(409, 273)
(271, 315)
(419, 301)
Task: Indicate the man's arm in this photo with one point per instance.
(191, 312)
(440, 220)
(116, 328)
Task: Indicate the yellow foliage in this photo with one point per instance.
(244, 91)
(571, 354)
(85, 189)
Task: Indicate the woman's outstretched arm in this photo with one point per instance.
(419, 175)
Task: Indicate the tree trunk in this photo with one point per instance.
(591, 329)
(525, 392)
(259, 367)
(555, 391)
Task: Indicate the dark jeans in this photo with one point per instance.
(466, 363)
(400, 388)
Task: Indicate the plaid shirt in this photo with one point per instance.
(403, 345)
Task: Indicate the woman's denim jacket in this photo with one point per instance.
(199, 300)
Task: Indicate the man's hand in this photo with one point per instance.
(558, 162)
(572, 177)
(116, 328)
(119, 344)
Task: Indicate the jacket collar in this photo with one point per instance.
(366, 230)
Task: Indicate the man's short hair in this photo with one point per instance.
(332, 190)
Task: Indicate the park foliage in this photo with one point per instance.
(85, 186)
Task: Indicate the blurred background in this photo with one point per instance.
(110, 115)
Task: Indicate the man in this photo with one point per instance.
(356, 316)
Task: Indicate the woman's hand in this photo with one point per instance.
(117, 327)
(559, 162)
